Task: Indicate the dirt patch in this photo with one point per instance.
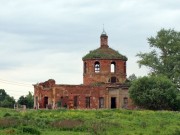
(67, 124)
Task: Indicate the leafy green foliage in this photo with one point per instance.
(165, 58)
(28, 100)
(87, 122)
(31, 130)
(6, 100)
(132, 77)
(154, 92)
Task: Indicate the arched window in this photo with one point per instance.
(113, 67)
(96, 67)
(85, 67)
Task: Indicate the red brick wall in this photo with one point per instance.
(66, 94)
(41, 92)
(105, 71)
(81, 92)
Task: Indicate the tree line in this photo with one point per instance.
(9, 102)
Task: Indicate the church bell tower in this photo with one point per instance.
(104, 65)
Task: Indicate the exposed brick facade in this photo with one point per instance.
(105, 74)
(103, 86)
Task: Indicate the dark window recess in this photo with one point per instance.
(75, 101)
(85, 68)
(87, 102)
(125, 67)
(64, 101)
(113, 102)
(45, 102)
(113, 79)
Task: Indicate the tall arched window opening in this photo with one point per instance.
(125, 67)
(113, 67)
(85, 67)
(97, 67)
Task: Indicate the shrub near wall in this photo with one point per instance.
(154, 92)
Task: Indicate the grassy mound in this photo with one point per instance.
(87, 122)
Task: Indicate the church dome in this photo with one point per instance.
(104, 51)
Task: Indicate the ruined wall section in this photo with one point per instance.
(41, 91)
(122, 97)
(67, 94)
(49, 95)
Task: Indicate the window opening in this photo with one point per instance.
(101, 102)
(97, 67)
(125, 67)
(75, 101)
(64, 101)
(113, 67)
(113, 79)
(87, 102)
(85, 67)
(45, 102)
(113, 102)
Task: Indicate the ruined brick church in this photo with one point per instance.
(104, 76)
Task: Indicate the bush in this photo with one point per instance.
(31, 130)
(155, 93)
(177, 132)
(7, 114)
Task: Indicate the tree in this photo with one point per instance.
(6, 100)
(165, 58)
(154, 92)
(132, 77)
(22, 100)
(28, 100)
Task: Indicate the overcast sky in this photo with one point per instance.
(43, 39)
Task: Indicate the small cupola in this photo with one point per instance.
(104, 40)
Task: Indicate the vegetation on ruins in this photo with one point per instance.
(104, 53)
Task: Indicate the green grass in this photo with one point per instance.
(89, 122)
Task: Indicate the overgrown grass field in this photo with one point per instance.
(89, 122)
